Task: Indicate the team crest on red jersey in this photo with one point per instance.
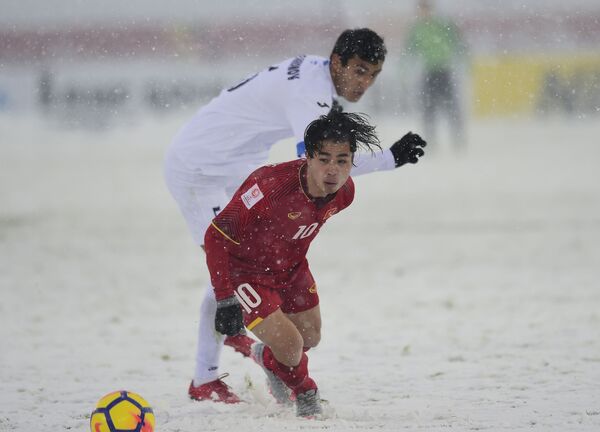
(330, 213)
(294, 215)
(252, 196)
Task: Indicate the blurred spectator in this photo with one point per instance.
(45, 89)
(438, 45)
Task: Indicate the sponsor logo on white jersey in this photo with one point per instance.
(252, 196)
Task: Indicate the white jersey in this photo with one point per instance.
(233, 133)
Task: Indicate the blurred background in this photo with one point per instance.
(89, 64)
(482, 306)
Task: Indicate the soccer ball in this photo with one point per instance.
(122, 411)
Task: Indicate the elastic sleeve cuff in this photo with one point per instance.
(229, 301)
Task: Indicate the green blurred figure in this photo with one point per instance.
(437, 43)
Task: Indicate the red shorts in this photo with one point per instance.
(259, 300)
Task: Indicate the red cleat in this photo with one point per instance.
(216, 391)
(241, 343)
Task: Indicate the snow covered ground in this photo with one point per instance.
(460, 293)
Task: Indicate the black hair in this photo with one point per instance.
(363, 42)
(340, 127)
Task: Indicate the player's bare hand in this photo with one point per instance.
(408, 149)
(228, 319)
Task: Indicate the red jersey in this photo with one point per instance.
(264, 233)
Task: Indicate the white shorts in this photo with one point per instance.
(200, 197)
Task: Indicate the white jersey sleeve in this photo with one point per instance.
(365, 162)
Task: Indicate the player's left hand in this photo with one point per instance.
(408, 149)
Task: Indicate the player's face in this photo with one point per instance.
(329, 169)
(353, 80)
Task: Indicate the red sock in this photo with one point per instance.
(295, 377)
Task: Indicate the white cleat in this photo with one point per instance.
(277, 388)
(308, 404)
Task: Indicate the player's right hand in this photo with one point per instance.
(228, 319)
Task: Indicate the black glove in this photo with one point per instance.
(228, 319)
(408, 149)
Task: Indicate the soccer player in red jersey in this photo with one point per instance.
(231, 136)
(256, 252)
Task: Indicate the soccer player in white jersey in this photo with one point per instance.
(231, 136)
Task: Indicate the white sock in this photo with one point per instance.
(210, 342)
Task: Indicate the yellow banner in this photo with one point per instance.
(509, 85)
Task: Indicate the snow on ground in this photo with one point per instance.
(459, 293)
